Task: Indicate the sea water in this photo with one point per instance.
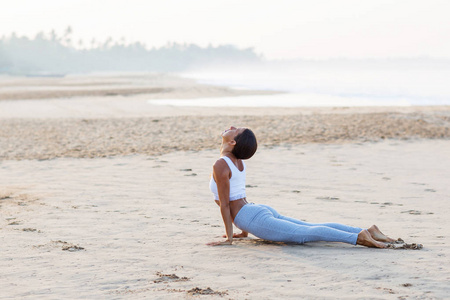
(415, 82)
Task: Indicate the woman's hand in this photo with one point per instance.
(243, 234)
(227, 242)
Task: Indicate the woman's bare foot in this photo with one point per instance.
(365, 239)
(377, 235)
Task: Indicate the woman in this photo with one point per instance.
(228, 186)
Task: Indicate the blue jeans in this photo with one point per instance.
(266, 223)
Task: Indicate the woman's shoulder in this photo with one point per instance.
(221, 162)
(221, 165)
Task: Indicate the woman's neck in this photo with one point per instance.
(227, 152)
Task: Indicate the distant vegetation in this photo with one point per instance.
(50, 54)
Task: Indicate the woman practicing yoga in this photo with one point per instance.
(228, 186)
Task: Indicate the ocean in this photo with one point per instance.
(413, 82)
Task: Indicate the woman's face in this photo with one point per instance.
(232, 132)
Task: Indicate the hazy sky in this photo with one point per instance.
(278, 29)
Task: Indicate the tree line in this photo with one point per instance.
(50, 54)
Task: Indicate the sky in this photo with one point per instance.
(316, 29)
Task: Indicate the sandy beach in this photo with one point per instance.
(105, 196)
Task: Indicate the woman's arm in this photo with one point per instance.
(221, 173)
(243, 233)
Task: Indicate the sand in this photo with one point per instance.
(152, 85)
(129, 216)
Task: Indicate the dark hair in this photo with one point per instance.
(246, 145)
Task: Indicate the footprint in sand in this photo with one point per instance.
(12, 197)
(31, 230)
(412, 212)
(188, 170)
(328, 198)
(406, 284)
(65, 246)
(416, 212)
(207, 291)
(72, 248)
(401, 244)
(14, 223)
(405, 246)
(6, 195)
(165, 278)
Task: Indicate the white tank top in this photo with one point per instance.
(237, 182)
